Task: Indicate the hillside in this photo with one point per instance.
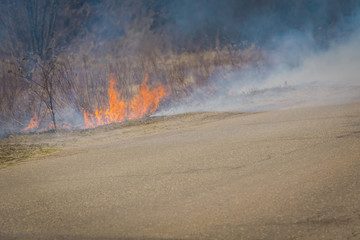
(289, 174)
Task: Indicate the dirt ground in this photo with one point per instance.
(292, 174)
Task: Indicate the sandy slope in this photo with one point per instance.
(291, 174)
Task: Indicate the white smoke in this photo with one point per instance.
(302, 77)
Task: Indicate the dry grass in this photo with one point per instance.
(81, 80)
(11, 153)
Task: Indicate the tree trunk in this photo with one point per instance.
(52, 111)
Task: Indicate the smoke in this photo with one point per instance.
(310, 48)
(301, 73)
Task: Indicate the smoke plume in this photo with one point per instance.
(56, 57)
(300, 72)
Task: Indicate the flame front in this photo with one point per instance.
(145, 102)
(34, 123)
(115, 112)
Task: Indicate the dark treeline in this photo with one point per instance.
(201, 23)
(56, 56)
(39, 25)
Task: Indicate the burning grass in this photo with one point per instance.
(88, 92)
(117, 110)
(145, 102)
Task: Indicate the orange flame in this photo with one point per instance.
(34, 123)
(146, 102)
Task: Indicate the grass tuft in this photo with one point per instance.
(11, 153)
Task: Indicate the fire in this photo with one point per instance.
(115, 112)
(145, 102)
(34, 123)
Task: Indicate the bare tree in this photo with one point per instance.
(35, 32)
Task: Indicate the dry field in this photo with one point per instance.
(292, 174)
